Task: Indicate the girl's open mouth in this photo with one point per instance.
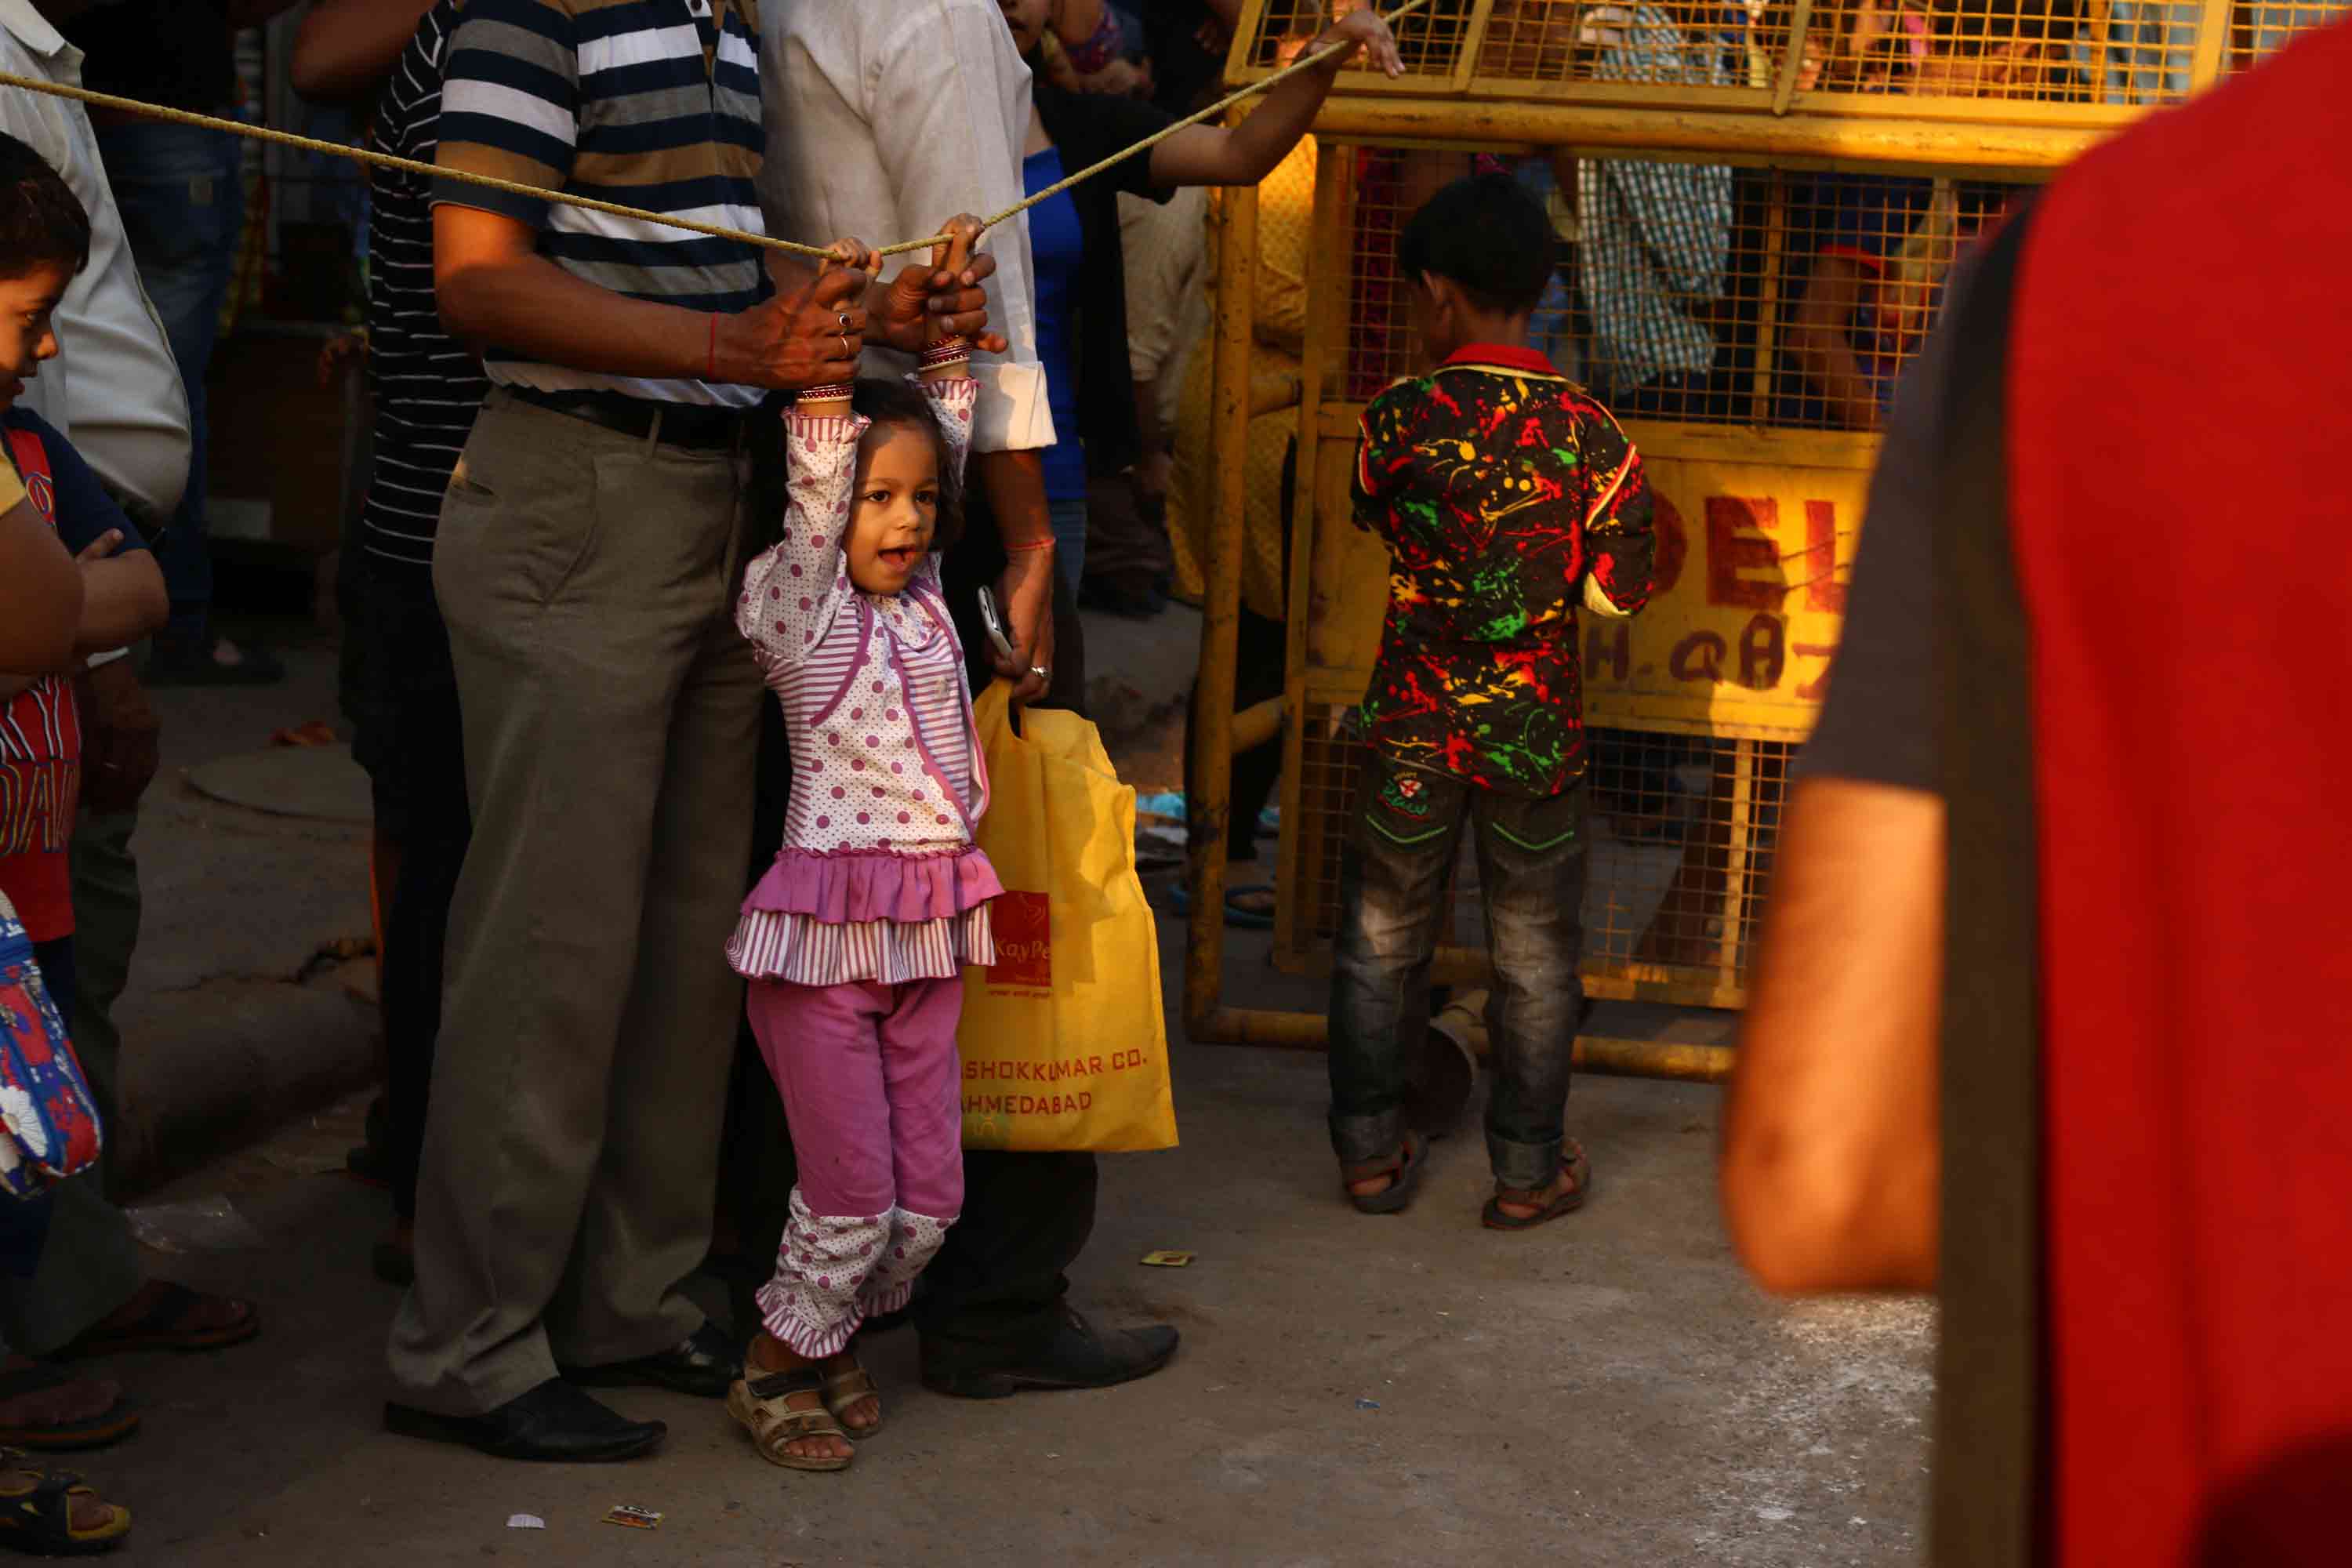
(900, 559)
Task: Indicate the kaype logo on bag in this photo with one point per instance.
(1025, 941)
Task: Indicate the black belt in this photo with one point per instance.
(697, 426)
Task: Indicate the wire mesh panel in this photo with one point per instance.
(2260, 28)
(1680, 848)
(1695, 293)
(1430, 41)
(2104, 53)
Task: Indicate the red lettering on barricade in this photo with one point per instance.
(1608, 650)
(1730, 552)
(1822, 590)
(1813, 691)
(1763, 652)
(1698, 656)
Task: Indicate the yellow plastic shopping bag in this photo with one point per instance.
(1063, 1040)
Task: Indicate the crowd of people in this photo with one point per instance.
(664, 615)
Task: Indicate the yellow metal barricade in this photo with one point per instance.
(1760, 466)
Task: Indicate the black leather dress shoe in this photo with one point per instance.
(1076, 1354)
(554, 1422)
(702, 1365)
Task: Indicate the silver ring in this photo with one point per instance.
(845, 321)
(846, 351)
(1042, 672)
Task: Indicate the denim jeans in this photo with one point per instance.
(1069, 522)
(181, 193)
(1531, 864)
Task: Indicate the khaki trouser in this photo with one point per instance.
(611, 713)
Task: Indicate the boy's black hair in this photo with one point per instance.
(42, 223)
(890, 401)
(1486, 233)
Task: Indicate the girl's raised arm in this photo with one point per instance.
(793, 590)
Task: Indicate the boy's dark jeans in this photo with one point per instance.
(1392, 874)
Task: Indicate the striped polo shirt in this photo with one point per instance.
(428, 386)
(652, 103)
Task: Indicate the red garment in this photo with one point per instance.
(40, 762)
(2178, 440)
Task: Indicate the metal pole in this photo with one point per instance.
(1212, 692)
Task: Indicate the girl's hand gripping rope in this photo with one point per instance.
(924, 304)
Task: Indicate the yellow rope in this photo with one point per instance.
(720, 231)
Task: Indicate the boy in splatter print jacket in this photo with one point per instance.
(1509, 500)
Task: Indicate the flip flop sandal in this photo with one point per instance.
(38, 1518)
(112, 1425)
(1576, 1165)
(157, 1329)
(846, 1388)
(759, 1405)
(1403, 1169)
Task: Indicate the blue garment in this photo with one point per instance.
(1067, 516)
(181, 192)
(83, 508)
(1057, 248)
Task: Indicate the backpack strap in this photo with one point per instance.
(1988, 1425)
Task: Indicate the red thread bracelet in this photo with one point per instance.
(1032, 544)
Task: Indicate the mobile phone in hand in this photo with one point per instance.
(995, 624)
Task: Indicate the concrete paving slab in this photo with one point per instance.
(318, 781)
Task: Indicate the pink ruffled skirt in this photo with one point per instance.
(837, 919)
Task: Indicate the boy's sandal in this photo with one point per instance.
(1403, 1169)
(846, 1388)
(112, 1425)
(759, 1405)
(1579, 1170)
(37, 1509)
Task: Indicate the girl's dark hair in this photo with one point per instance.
(885, 402)
(42, 223)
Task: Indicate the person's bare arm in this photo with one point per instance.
(1212, 155)
(494, 288)
(123, 596)
(1831, 1142)
(1819, 343)
(1015, 483)
(1077, 21)
(40, 594)
(344, 46)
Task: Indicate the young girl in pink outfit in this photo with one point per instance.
(855, 940)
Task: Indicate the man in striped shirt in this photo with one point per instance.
(400, 687)
(585, 562)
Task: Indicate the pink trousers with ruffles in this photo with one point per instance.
(868, 1076)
